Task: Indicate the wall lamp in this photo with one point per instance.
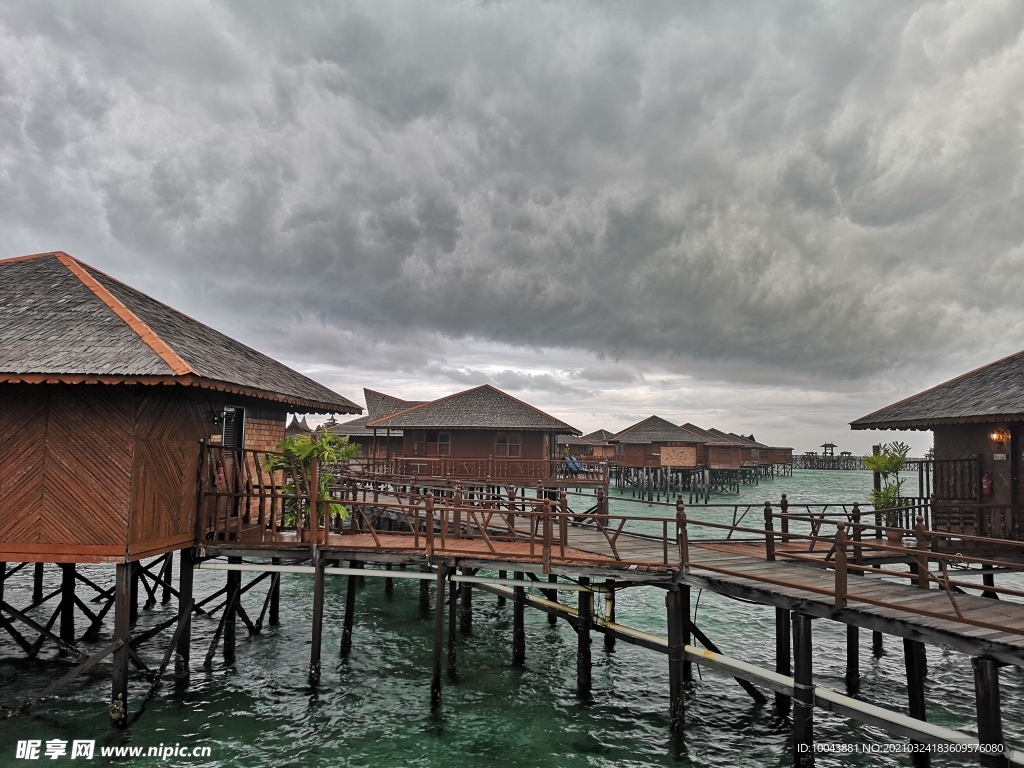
(1000, 437)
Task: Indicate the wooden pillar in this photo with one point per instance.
(350, 615)
(134, 592)
(989, 580)
(586, 614)
(684, 593)
(167, 574)
(677, 622)
(990, 713)
(453, 605)
(425, 589)
(803, 692)
(552, 595)
(609, 613)
(234, 589)
(519, 623)
(67, 602)
(466, 591)
(122, 627)
(876, 644)
(913, 655)
(182, 651)
(435, 676)
(274, 612)
(389, 583)
(316, 638)
(37, 584)
(782, 656)
(3, 578)
(852, 658)
(501, 598)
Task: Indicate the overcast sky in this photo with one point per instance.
(763, 217)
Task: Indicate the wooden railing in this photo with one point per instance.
(489, 470)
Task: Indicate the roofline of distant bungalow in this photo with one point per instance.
(190, 380)
(922, 424)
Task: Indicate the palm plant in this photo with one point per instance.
(888, 462)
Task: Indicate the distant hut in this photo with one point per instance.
(655, 442)
(719, 450)
(297, 426)
(480, 433)
(978, 424)
(375, 444)
(593, 446)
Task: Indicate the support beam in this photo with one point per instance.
(552, 595)
(586, 619)
(350, 614)
(990, 711)
(234, 594)
(684, 592)
(989, 580)
(167, 575)
(183, 654)
(913, 655)
(453, 605)
(677, 622)
(134, 595)
(316, 638)
(435, 674)
(425, 589)
(852, 658)
(519, 623)
(389, 584)
(609, 613)
(122, 627)
(803, 692)
(501, 598)
(67, 603)
(466, 591)
(876, 644)
(37, 584)
(782, 656)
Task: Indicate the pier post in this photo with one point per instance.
(453, 605)
(552, 595)
(134, 591)
(167, 573)
(803, 692)
(609, 613)
(914, 658)
(182, 653)
(435, 675)
(876, 644)
(466, 591)
(782, 656)
(677, 617)
(316, 638)
(389, 583)
(234, 594)
(350, 614)
(684, 593)
(990, 714)
(852, 658)
(519, 623)
(989, 580)
(274, 613)
(122, 627)
(37, 584)
(501, 598)
(586, 618)
(425, 589)
(67, 602)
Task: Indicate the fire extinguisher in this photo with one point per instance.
(222, 483)
(986, 485)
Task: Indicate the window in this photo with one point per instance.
(508, 445)
(444, 443)
(419, 443)
(233, 429)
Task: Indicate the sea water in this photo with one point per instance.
(373, 709)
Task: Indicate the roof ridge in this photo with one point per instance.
(31, 256)
(160, 347)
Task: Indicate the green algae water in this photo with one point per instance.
(373, 709)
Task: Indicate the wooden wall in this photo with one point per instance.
(481, 444)
(966, 441)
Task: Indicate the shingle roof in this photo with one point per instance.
(297, 426)
(62, 320)
(483, 407)
(709, 436)
(992, 392)
(654, 429)
(724, 438)
(379, 405)
(600, 436)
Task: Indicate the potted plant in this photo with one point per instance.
(297, 453)
(888, 462)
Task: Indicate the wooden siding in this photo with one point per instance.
(967, 441)
(481, 444)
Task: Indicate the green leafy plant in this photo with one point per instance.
(888, 462)
(297, 453)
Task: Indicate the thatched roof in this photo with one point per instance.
(64, 321)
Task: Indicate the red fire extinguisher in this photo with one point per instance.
(986, 485)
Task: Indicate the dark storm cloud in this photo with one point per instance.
(821, 190)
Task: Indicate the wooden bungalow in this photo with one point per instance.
(592, 446)
(976, 480)
(482, 433)
(719, 451)
(656, 442)
(297, 426)
(375, 445)
(106, 394)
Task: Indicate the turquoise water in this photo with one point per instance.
(373, 709)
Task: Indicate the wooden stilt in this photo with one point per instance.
(803, 692)
(37, 583)
(913, 655)
(167, 575)
(316, 638)
(435, 676)
(67, 602)
(782, 656)
(989, 580)
(134, 597)
(453, 605)
(609, 613)
(501, 598)
(389, 583)
(586, 618)
(519, 624)
(3, 578)
(425, 589)
(990, 712)
(182, 652)
(677, 622)
(234, 590)
(876, 644)
(852, 658)
(274, 615)
(466, 591)
(684, 594)
(552, 594)
(349, 618)
(122, 626)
